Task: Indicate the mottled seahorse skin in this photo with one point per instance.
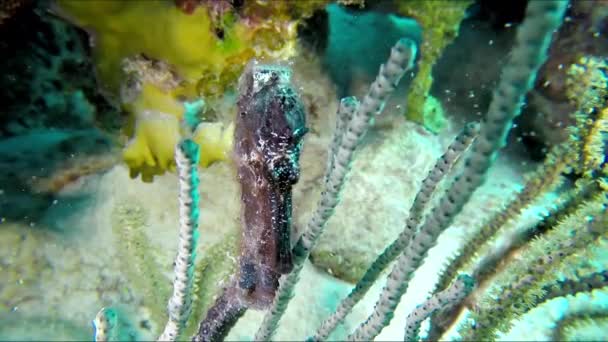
(270, 126)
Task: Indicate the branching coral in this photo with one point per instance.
(587, 88)
(106, 322)
(180, 303)
(584, 153)
(545, 179)
(520, 285)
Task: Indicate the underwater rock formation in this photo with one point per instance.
(46, 77)
(34, 167)
(56, 127)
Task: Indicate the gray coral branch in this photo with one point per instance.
(401, 59)
(533, 39)
(439, 171)
(186, 158)
(457, 291)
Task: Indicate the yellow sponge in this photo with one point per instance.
(158, 129)
(215, 140)
(203, 61)
(150, 152)
(157, 29)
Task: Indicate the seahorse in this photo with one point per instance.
(270, 126)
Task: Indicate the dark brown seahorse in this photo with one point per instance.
(270, 125)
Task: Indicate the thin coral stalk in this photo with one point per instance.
(518, 287)
(347, 108)
(436, 174)
(186, 158)
(546, 178)
(533, 39)
(401, 59)
(105, 325)
(459, 289)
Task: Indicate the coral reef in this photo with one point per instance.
(533, 250)
(583, 155)
(56, 127)
(186, 42)
(440, 21)
(199, 46)
(160, 121)
(46, 78)
(547, 121)
(587, 89)
(34, 166)
(348, 260)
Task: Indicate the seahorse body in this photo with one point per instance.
(269, 129)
